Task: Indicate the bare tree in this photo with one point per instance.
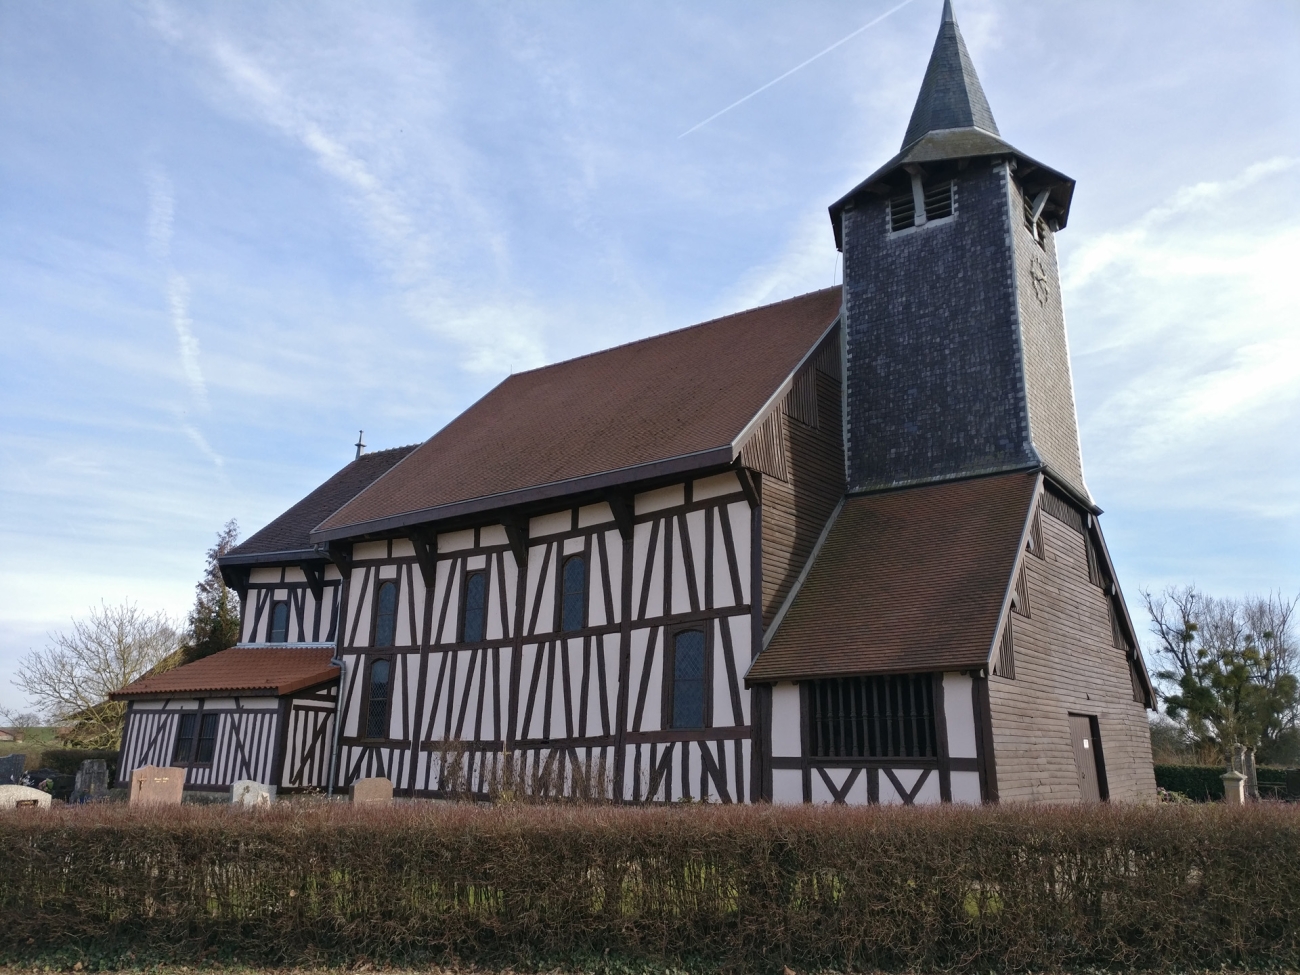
(70, 679)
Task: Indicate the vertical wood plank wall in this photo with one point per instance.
(1066, 661)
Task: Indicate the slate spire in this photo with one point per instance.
(951, 96)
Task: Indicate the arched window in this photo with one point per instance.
(386, 615)
(573, 608)
(688, 684)
(279, 622)
(474, 617)
(377, 700)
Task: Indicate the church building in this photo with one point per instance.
(833, 549)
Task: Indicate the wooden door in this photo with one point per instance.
(1087, 756)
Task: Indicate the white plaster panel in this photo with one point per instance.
(650, 716)
(643, 562)
(681, 597)
(959, 713)
(546, 610)
(614, 551)
(929, 794)
(716, 486)
(403, 549)
(574, 546)
(264, 575)
(361, 616)
(787, 786)
(293, 573)
(739, 515)
(418, 595)
(218, 703)
(665, 497)
(277, 595)
(456, 541)
(332, 572)
(594, 514)
(786, 738)
(552, 524)
(369, 550)
(388, 572)
(723, 714)
(695, 532)
(966, 787)
(492, 535)
(402, 636)
(596, 589)
(256, 703)
(476, 561)
(740, 641)
(451, 592)
(531, 658)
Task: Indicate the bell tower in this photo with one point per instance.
(956, 356)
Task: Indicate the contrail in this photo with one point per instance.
(756, 91)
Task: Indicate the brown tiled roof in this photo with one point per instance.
(909, 580)
(688, 392)
(288, 533)
(275, 671)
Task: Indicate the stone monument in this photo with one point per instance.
(1234, 788)
(155, 786)
(23, 797)
(92, 781)
(247, 792)
(372, 790)
(11, 769)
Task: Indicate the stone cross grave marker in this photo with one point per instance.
(11, 769)
(247, 792)
(92, 781)
(372, 790)
(23, 797)
(155, 786)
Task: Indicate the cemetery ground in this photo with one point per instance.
(311, 884)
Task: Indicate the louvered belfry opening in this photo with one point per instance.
(902, 211)
(873, 717)
(938, 197)
(938, 200)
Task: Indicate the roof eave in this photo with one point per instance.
(287, 556)
(912, 153)
(713, 457)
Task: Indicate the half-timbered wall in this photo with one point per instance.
(311, 620)
(799, 499)
(952, 775)
(537, 706)
(1064, 662)
(245, 745)
(308, 739)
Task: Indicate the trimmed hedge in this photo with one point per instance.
(1203, 783)
(741, 889)
(68, 760)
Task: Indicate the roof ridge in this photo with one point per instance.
(671, 331)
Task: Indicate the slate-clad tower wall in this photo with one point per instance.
(935, 385)
(955, 337)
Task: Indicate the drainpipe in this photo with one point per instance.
(338, 662)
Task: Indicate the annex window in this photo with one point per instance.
(377, 699)
(386, 614)
(207, 743)
(573, 605)
(473, 619)
(688, 685)
(872, 717)
(279, 622)
(183, 750)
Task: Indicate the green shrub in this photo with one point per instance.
(741, 889)
(1198, 782)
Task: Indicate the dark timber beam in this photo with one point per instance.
(236, 577)
(750, 485)
(620, 502)
(516, 527)
(340, 554)
(425, 543)
(315, 573)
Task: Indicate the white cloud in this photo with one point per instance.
(178, 300)
(162, 207)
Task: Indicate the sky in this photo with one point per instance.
(233, 234)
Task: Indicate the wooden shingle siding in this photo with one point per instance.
(1065, 661)
(795, 509)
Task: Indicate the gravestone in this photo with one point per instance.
(372, 790)
(92, 781)
(11, 769)
(246, 792)
(1234, 788)
(23, 797)
(155, 786)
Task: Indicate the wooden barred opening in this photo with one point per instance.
(873, 717)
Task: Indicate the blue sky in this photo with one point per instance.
(232, 234)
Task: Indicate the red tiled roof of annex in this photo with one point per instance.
(664, 397)
(275, 671)
(908, 580)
